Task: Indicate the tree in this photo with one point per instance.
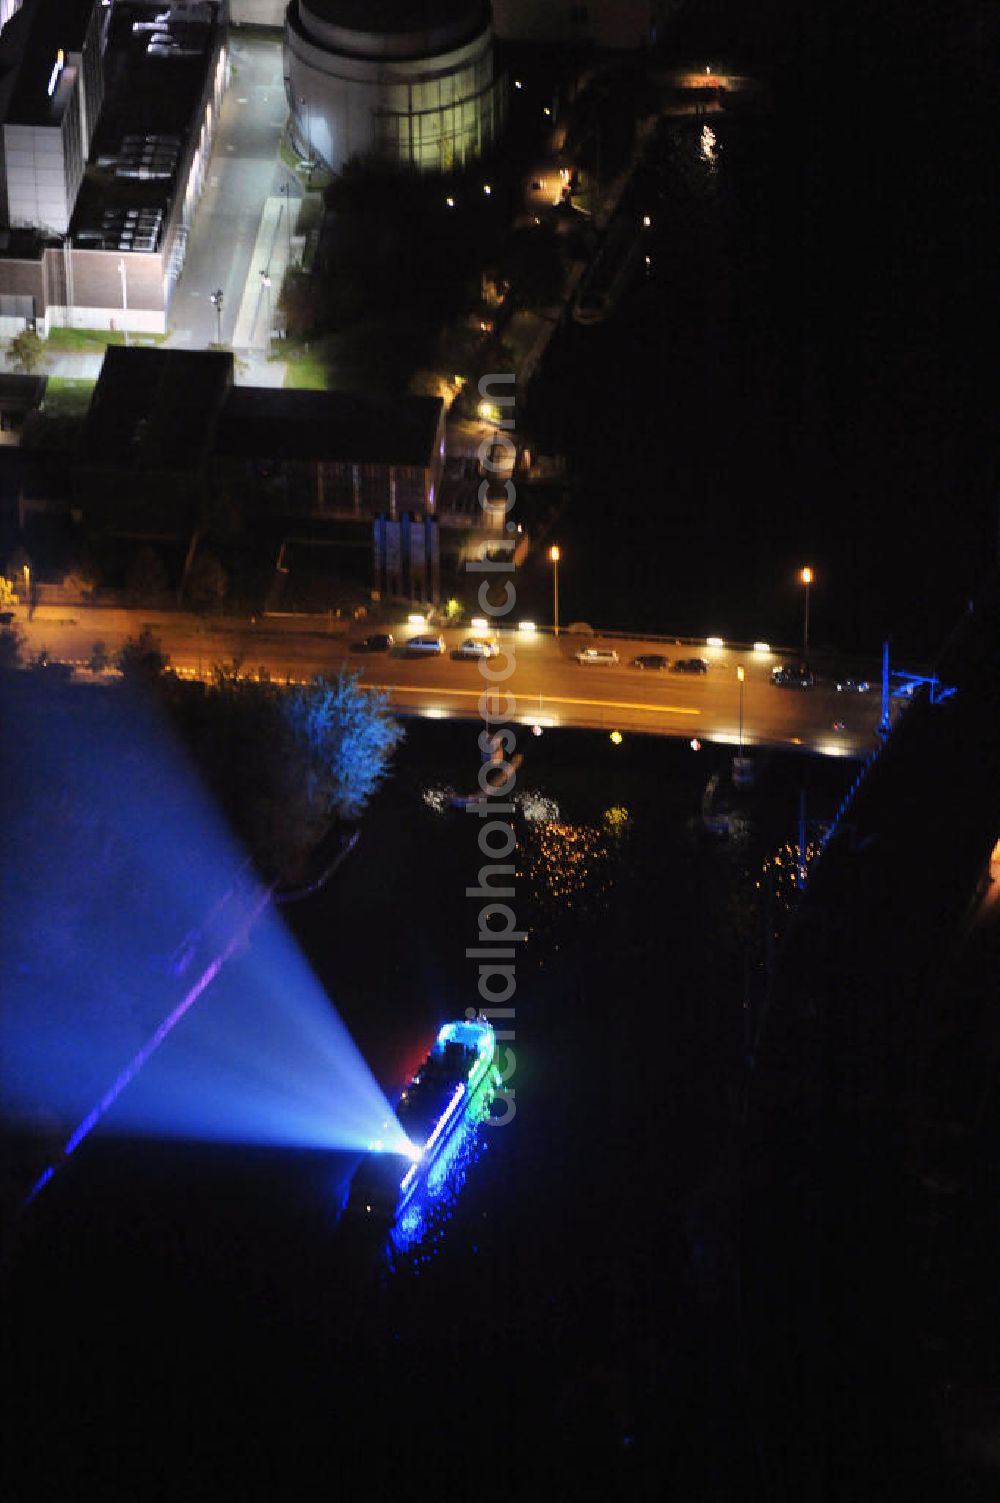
(344, 737)
(26, 351)
(286, 763)
(11, 643)
(532, 263)
(141, 658)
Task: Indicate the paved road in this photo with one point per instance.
(549, 686)
(243, 173)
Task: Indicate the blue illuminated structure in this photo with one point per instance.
(449, 1090)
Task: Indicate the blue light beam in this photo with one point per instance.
(120, 884)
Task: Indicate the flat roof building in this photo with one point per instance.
(103, 247)
(51, 90)
(175, 421)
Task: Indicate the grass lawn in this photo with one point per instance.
(67, 399)
(93, 341)
(305, 369)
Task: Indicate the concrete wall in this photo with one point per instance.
(257, 13)
(44, 172)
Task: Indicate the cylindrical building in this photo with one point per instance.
(406, 81)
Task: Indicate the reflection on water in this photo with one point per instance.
(783, 868)
(572, 866)
(536, 807)
(708, 144)
(533, 806)
(761, 902)
(423, 1219)
(437, 797)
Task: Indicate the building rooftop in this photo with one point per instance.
(156, 409)
(144, 130)
(274, 423)
(35, 36)
(21, 391)
(382, 17)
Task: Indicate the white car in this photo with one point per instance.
(477, 647)
(426, 646)
(604, 655)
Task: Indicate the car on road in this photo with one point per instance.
(425, 646)
(376, 641)
(853, 686)
(605, 655)
(654, 660)
(792, 676)
(691, 665)
(477, 647)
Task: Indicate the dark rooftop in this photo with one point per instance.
(381, 17)
(38, 30)
(278, 424)
(21, 391)
(156, 409)
(147, 100)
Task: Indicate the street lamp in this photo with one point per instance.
(741, 675)
(265, 280)
(217, 305)
(121, 273)
(554, 557)
(309, 135)
(288, 224)
(806, 577)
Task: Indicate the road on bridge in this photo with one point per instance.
(549, 686)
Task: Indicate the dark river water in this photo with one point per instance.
(192, 1319)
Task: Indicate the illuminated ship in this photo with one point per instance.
(454, 1082)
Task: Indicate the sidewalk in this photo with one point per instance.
(270, 259)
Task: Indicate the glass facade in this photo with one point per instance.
(433, 112)
(443, 123)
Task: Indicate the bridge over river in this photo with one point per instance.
(549, 687)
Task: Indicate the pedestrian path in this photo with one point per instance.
(269, 260)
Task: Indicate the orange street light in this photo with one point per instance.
(554, 557)
(806, 576)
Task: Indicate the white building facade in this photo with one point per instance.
(408, 83)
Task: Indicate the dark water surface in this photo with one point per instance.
(188, 1321)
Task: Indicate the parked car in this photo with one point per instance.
(691, 665)
(651, 660)
(792, 676)
(853, 685)
(425, 646)
(605, 655)
(376, 641)
(477, 647)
